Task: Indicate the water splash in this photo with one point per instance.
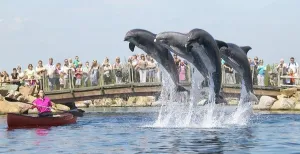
(177, 113)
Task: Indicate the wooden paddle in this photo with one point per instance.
(74, 112)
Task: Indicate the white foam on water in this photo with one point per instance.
(183, 114)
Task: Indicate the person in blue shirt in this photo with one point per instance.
(261, 73)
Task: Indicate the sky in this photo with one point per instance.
(35, 30)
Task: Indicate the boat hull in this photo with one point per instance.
(21, 121)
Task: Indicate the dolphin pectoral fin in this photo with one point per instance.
(253, 98)
(181, 89)
(221, 44)
(245, 49)
(131, 46)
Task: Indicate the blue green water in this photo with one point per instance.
(130, 130)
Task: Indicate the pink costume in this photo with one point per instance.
(43, 105)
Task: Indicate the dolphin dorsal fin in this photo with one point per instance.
(221, 44)
(246, 49)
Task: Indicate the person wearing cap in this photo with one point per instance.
(117, 67)
(78, 75)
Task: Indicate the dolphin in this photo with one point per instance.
(175, 42)
(236, 57)
(211, 59)
(143, 39)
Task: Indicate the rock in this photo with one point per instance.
(21, 98)
(61, 107)
(144, 101)
(297, 107)
(24, 90)
(288, 92)
(233, 101)
(283, 104)
(29, 99)
(281, 96)
(1, 98)
(265, 102)
(131, 101)
(12, 107)
(296, 97)
(17, 94)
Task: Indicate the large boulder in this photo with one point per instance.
(283, 104)
(296, 97)
(297, 107)
(12, 107)
(144, 101)
(281, 96)
(265, 103)
(288, 92)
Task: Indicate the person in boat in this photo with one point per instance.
(43, 105)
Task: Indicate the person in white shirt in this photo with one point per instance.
(50, 68)
(293, 65)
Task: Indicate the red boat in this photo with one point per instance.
(21, 121)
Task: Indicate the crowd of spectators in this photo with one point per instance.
(138, 68)
(73, 73)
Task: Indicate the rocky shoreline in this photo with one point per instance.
(289, 99)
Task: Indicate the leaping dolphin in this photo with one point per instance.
(236, 57)
(143, 39)
(175, 42)
(211, 59)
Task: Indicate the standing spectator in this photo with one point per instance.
(85, 71)
(76, 61)
(67, 71)
(254, 72)
(40, 71)
(261, 73)
(283, 68)
(118, 70)
(50, 68)
(14, 78)
(176, 60)
(182, 71)
(94, 71)
(78, 74)
(61, 81)
(135, 73)
(57, 74)
(229, 76)
(142, 67)
(21, 75)
(4, 76)
(293, 65)
(151, 70)
(107, 71)
(29, 72)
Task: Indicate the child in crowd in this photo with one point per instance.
(291, 74)
(32, 82)
(78, 75)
